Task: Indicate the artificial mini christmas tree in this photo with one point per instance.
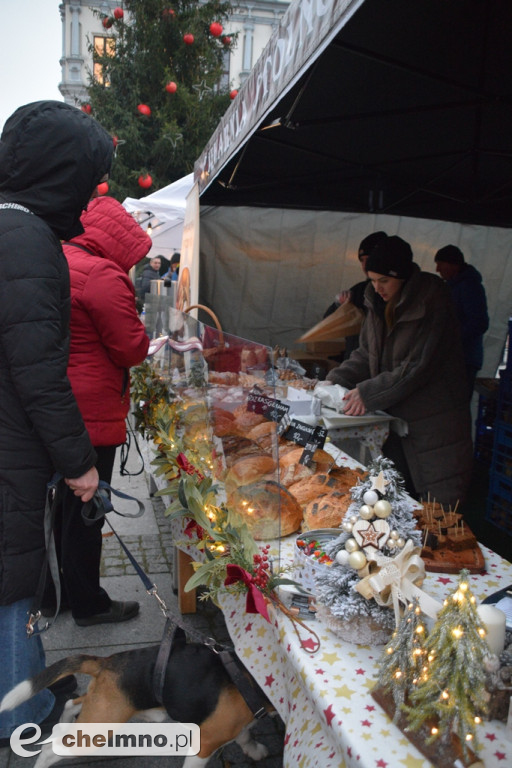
(378, 527)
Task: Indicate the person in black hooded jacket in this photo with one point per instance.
(52, 157)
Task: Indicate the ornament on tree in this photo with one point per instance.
(226, 40)
(107, 22)
(233, 94)
(102, 188)
(216, 29)
(168, 13)
(201, 89)
(188, 39)
(145, 180)
(86, 108)
(171, 87)
(144, 109)
(118, 13)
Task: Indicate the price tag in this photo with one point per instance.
(283, 424)
(269, 407)
(301, 434)
(308, 453)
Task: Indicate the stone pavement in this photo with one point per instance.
(149, 540)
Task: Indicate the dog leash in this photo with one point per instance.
(92, 510)
(252, 695)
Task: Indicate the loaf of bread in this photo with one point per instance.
(265, 434)
(236, 446)
(249, 469)
(327, 511)
(245, 419)
(269, 510)
(223, 422)
(309, 489)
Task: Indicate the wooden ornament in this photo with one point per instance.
(371, 534)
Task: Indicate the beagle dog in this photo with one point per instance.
(196, 689)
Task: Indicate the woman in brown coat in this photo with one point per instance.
(410, 364)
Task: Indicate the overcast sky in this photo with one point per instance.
(29, 54)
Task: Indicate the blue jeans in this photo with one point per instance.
(22, 657)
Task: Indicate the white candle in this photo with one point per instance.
(494, 624)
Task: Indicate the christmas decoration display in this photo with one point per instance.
(145, 180)
(86, 108)
(188, 39)
(144, 109)
(216, 29)
(226, 40)
(171, 87)
(376, 559)
(233, 94)
(107, 22)
(102, 188)
(434, 685)
(118, 13)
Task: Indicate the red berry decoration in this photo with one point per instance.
(168, 12)
(171, 87)
(144, 109)
(107, 22)
(145, 180)
(216, 29)
(233, 94)
(102, 188)
(115, 141)
(118, 13)
(226, 40)
(86, 108)
(188, 39)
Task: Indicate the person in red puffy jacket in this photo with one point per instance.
(107, 339)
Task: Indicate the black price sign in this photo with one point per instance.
(269, 407)
(302, 434)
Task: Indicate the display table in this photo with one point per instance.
(324, 698)
(371, 430)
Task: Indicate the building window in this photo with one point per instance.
(103, 46)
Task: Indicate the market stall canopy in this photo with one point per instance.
(164, 212)
(395, 107)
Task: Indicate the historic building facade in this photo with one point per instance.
(253, 20)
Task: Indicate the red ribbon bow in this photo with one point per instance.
(255, 601)
(184, 464)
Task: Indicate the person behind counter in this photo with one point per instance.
(468, 294)
(410, 364)
(356, 293)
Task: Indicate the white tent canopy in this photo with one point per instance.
(164, 210)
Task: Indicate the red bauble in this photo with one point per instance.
(107, 22)
(115, 141)
(144, 109)
(171, 87)
(118, 13)
(102, 188)
(233, 94)
(216, 29)
(226, 40)
(86, 108)
(145, 181)
(168, 12)
(188, 39)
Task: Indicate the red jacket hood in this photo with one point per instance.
(112, 233)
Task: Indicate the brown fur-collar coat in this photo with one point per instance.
(415, 371)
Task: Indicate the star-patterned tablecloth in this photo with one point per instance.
(324, 697)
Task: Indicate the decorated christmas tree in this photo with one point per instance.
(158, 87)
(450, 695)
(403, 658)
(378, 526)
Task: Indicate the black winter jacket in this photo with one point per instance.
(52, 156)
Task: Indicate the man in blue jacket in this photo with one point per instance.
(468, 294)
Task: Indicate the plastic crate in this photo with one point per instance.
(504, 412)
(499, 512)
(485, 420)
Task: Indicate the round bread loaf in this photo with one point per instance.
(248, 469)
(326, 511)
(269, 510)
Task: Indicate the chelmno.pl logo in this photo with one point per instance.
(109, 739)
